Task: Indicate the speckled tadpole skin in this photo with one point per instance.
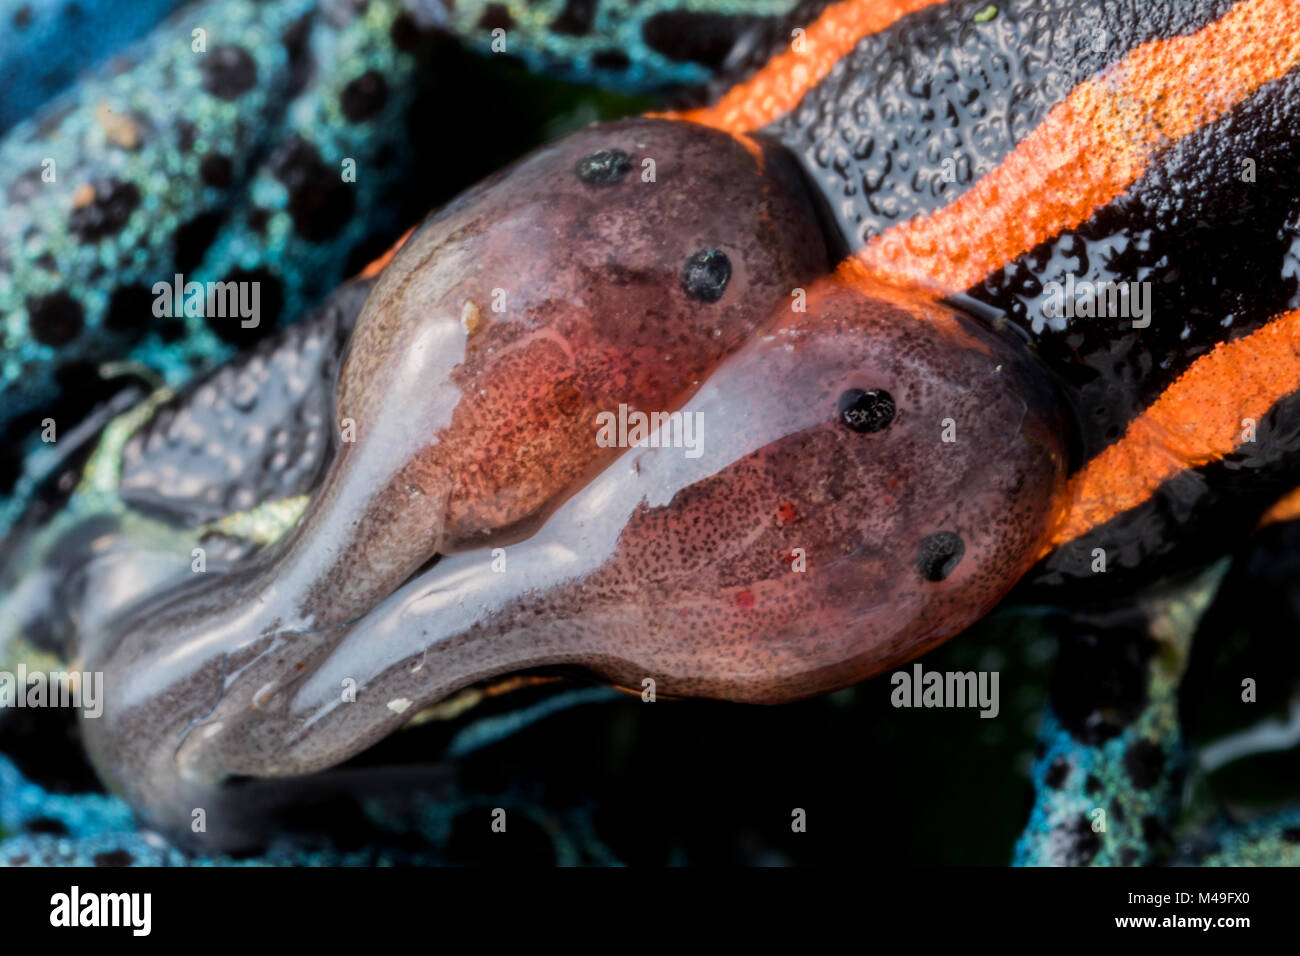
(823, 532)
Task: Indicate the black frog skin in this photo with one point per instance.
(907, 414)
(918, 114)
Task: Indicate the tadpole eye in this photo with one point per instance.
(761, 548)
(605, 167)
(865, 410)
(706, 274)
(939, 554)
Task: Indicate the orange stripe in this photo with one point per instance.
(1285, 509)
(782, 82)
(378, 265)
(1196, 420)
(1093, 146)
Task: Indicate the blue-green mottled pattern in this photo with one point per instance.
(1087, 809)
(1118, 802)
(46, 44)
(151, 161)
(1269, 840)
(624, 44)
(154, 119)
(407, 830)
(1113, 800)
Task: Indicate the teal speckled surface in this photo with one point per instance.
(46, 44)
(1108, 789)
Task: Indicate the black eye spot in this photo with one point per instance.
(706, 274)
(603, 168)
(866, 411)
(228, 71)
(939, 555)
(54, 319)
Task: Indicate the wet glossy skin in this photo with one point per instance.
(922, 114)
(786, 559)
(677, 571)
(501, 355)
